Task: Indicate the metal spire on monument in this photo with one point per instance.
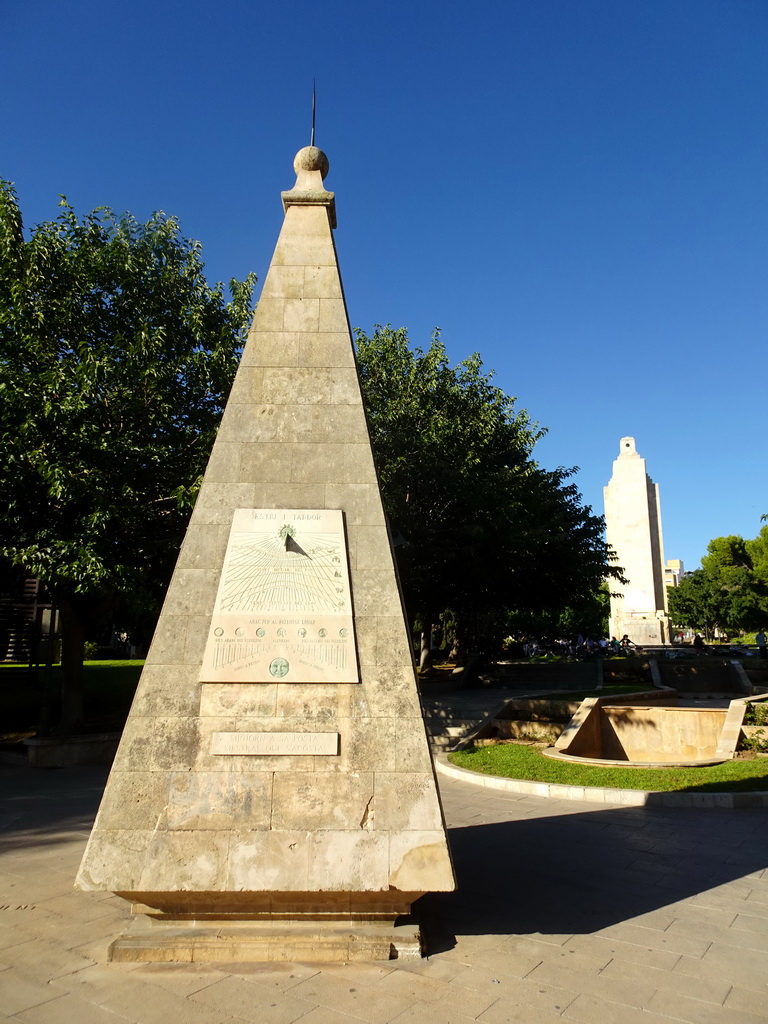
(314, 106)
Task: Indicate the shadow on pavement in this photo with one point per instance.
(578, 873)
(39, 805)
(557, 874)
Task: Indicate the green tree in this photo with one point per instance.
(115, 359)
(478, 524)
(725, 553)
(740, 593)
(694, 602)
(726, 592)
(757, 550)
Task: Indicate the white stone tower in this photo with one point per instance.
(633, 530)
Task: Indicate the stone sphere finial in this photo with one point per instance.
(311, 159)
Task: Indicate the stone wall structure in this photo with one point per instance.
(633, 530)
(259, 807)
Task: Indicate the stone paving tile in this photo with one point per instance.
(752, 908)
(69, 1009)
(324, 1015)
(412, 987)
(496, 967)
(68, 933)
(741, 938)
(525, 946)
(45, 960)
(613, 949)
(80, 907)
(710, 969)
(737, 889)
(427, 1013)
(748, 922)
(249, 1001)
(748, 1000)
(436, 968)
(659, 920)
(572, 960)
(707, 989)
(600, 1011)
(18, 992)
(338, 994)
(280, 977)
(530, 1003)
(11, 933)
(727, 955)
(43, 873)
(758, 893)
(722, 899)
(138, 1001)
(695, 1012)
(493, 984)
(500, 1014)
(355, 972)
(699, 918)
(552, 938)
(182, 979)
(740, 859)
(36, 885)
(416, 989)
(685, 944)
(636, 841)
(469, 946)
(630, 991)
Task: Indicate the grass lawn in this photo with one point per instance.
(523, 761)
(108, 686)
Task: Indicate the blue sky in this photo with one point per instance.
(576, 189)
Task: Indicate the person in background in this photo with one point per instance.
(698, 644)
(760, 640)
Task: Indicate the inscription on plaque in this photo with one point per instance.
(275, 743)
(283, 611)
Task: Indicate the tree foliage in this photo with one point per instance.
(729, 591)
(115, 359)
(757, 552)
(478, 524)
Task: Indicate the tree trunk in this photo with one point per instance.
(425, 656)
(72, 657)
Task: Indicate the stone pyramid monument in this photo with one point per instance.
(273, 795)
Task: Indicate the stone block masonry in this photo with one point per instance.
(263, 801)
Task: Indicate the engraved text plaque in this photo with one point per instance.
(275, 743)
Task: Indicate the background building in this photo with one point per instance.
(673, 572)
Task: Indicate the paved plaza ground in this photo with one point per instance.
(565, 912)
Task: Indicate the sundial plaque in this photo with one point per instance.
(283, 611)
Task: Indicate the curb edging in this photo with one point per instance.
(600, 794)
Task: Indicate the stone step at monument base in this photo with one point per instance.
(268, 941)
